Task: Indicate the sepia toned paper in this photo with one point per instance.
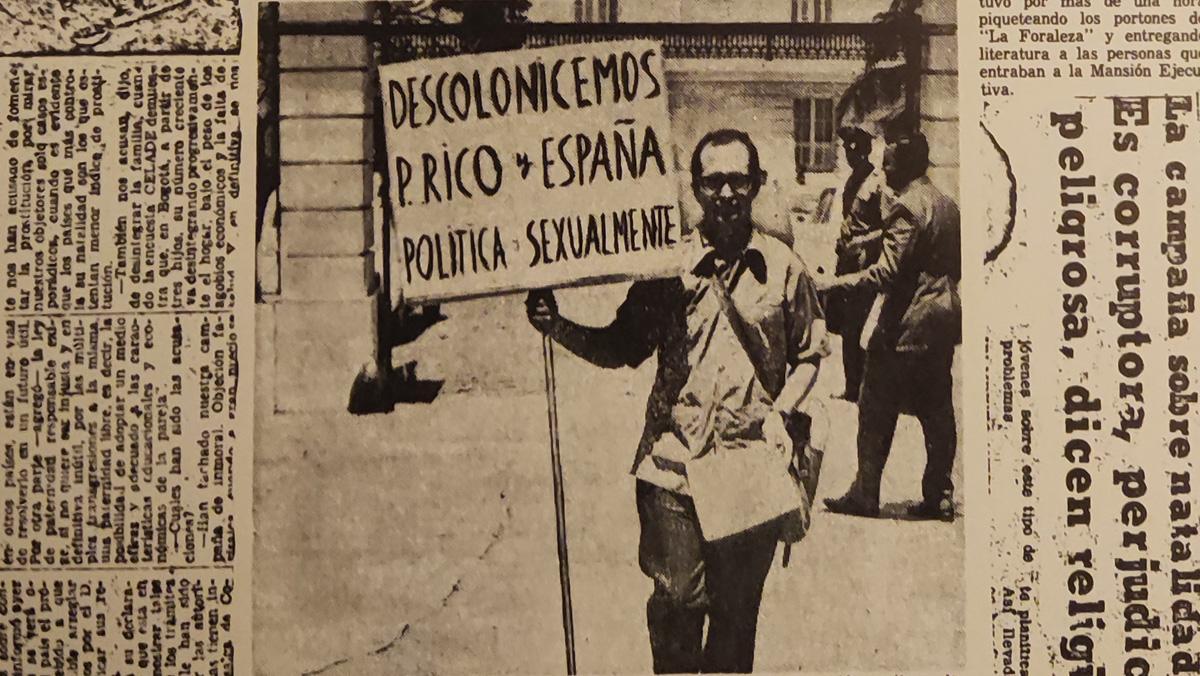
(1085, 394)
(435, 415)
(127, 408)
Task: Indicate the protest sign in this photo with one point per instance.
(535, 168)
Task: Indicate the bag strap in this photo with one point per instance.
(739, 326)
(736, 322)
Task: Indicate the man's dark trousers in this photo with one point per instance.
(694, 579)
(853, 356)
(912, 382)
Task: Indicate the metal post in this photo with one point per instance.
(560, 513)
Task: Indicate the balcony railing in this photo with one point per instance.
(765, 41)
(720, 41)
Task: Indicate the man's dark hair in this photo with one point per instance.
(722, 137)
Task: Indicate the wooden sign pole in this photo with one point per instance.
(560, 514)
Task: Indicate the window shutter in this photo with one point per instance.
(823, 136)
(802, 134)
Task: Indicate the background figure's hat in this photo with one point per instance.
(874, 100)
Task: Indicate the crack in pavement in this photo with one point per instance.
(403, 632)
(494, 538)
(327, 667)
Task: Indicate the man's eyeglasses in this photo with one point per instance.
(739, 183)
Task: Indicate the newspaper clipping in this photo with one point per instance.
(599, 336)
(1086, 353)
(126, 305)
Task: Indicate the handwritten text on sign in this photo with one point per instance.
(533, 168)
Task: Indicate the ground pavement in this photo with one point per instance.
(422, 541)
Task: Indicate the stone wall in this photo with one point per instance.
(939, 93)
(319, 329)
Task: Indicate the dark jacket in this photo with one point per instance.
(860, 239)
(917, 273)
(858, 246)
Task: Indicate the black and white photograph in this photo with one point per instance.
(608, 336)
(383, 337)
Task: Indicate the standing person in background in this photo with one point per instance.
(711, 395)
(858, 247)
(909, 356)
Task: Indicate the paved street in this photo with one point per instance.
(422, 541)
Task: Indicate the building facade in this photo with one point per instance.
(323, 252)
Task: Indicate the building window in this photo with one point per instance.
(812, 11)
(816, 147)
(596, 11)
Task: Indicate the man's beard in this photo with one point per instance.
(727, 226)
